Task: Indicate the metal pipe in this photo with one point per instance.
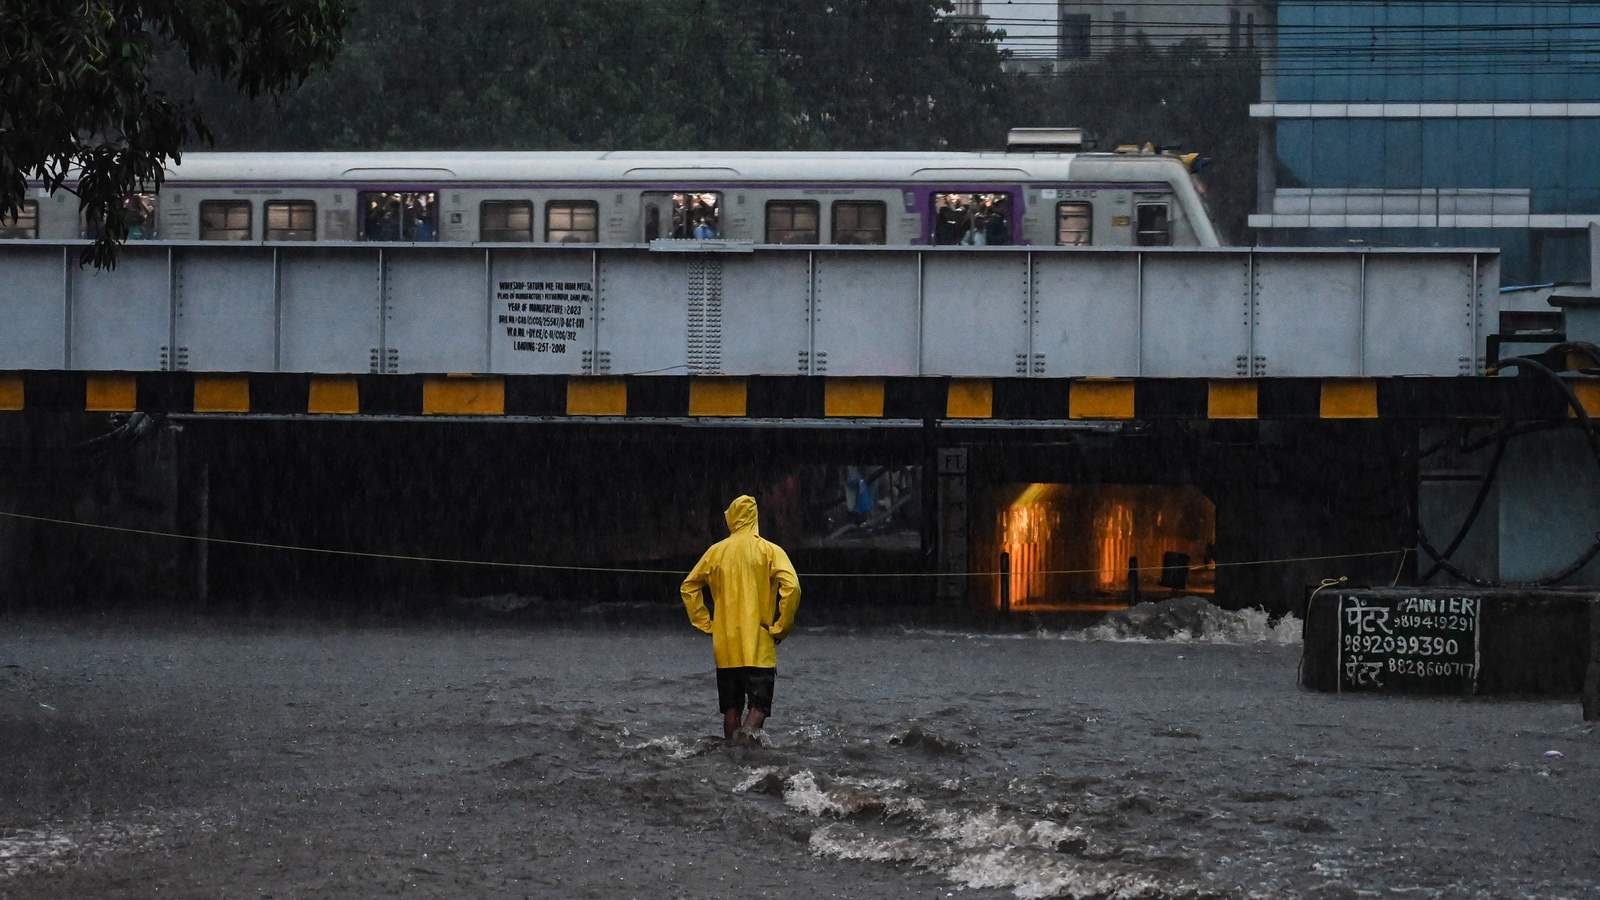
(921, 366)
(1138, 280)
(66, 302)
(1476, 355)
(811, 303)
(173, 355)
(1361, 326)
(1250, 315)
(1005, 581)
(1033, 315)
(488, 307)
(383, 315)
(594, 287)
(277, 309)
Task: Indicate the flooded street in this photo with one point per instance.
(140, 759)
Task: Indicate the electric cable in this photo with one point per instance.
(1585, 422)
(398, 557)
(1472, 514)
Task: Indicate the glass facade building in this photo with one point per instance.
(1440, 123)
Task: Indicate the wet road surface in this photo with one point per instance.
(307, 761)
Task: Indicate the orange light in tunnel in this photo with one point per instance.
(1113, 534)
(1028, 529)
(1069, 545)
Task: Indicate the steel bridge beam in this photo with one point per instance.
(883, 312)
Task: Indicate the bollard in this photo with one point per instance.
(1591, 680)
(1133, 581)
(1005, 582)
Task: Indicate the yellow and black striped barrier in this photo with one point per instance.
(789, 397)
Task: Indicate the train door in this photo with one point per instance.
(975, 219)
(656, 216)
(680, 214)
(1152, 220)
(399, 215)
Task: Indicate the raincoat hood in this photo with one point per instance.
(741, 516)
(754, 588)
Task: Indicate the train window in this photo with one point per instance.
(142, 215)
(1074, 224)
(972, 219)
(224, 220)
(793, 222)
(25, 226)
(859, 222)
(505, 221)
(572, 222)
(291, 220)
(697, 216)
(1153, 228)
(399, 215)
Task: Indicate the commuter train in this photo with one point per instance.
(1025, 196)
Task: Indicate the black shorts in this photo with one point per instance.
(743, 686)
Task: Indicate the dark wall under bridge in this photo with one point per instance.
(634, 495)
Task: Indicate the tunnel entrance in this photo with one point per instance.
(1075, 547)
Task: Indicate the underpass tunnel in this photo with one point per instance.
(1101, 547)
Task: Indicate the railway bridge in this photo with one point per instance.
(1113, 422)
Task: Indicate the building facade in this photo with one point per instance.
(1437, 123)
(1052, 35)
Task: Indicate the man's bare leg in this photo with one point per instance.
(752, 724)
(730, 723)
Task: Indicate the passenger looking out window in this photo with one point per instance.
(793, 222)
(291, 220)
(859, 222)
(1074, 224)
(143, 224)
(399, 216)
(224, 220)
(691, 211)
(140, 212)
(572, 222)
(505, 221)
(972, 219)
(25, 226)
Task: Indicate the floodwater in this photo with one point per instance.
(141, 759)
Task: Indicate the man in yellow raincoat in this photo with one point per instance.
(755, 592)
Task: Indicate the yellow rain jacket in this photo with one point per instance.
(754, 588)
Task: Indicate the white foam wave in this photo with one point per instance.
(1033, 876)
(984, 848)
(674, 747)
(35, 851)
(1030, 873)
(801, 791)
(1193, 620)
(989, 828)
(28, 852)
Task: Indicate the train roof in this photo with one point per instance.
(658, 167)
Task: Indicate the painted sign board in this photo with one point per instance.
(1411, 644)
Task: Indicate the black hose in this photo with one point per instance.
(1472, 514)
(1442, 560)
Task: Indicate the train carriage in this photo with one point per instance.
(1028, 198)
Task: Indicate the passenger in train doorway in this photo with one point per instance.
(996, 231)
(704, 232)
(754, 594)
(952, 222)
(424, 229)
